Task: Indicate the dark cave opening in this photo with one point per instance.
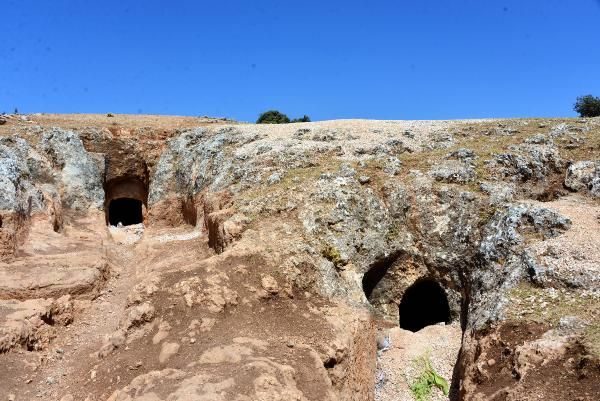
(126, 211)
(375, 274)
(423, 304)
(125, 201)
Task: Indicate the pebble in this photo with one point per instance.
(269, 284)
(364, 179)
(167, 351)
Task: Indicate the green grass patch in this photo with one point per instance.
(429, 379)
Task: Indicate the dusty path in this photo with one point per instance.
(72, 349)
(230, 311)
(58, 370)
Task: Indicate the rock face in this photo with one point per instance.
(584, 176)
(502, 260)
(27, 188)
(453, 172)
(531, 161)
(81, 182)
(293, 262)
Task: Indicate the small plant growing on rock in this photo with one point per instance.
(422, 386)
(333, 255)
(587, 106)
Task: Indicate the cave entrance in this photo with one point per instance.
(126, 211)
(423, 304)
(125, 201)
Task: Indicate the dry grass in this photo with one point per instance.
(295, 184)
(117, 122)
(548, 306)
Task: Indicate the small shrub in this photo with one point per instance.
(110, 115)
(587, 106)
(272, 117)
(277, 117)
(303, 119)
(422, 386)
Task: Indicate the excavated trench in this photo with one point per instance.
(426, 312)
(125, 176)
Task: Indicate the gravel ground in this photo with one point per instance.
(574, 255)
(126, 235)
(398, 366)
(177, 237)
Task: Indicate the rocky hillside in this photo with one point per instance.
(165, 258)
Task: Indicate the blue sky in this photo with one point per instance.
(328, 59)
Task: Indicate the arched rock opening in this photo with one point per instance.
(125, 201)
(423, 304)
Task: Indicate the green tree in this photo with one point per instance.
(587, 106)
(303, 119)
(272, 117)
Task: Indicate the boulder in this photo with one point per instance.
(451, 171)
(584, 176)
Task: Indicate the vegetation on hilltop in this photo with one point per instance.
(277, 117)
(587, 106)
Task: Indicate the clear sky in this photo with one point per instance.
(329, 59)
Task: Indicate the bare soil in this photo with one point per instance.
(575, 375)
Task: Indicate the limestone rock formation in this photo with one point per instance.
(161, 258)
(584, 175)
(80, 179)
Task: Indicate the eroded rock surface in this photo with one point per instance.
(275, 262)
